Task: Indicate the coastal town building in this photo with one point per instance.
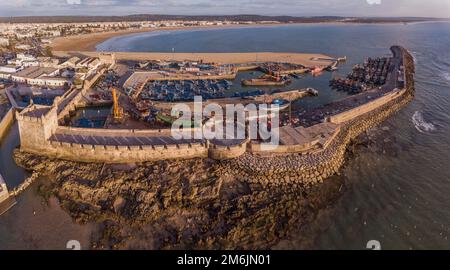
(30, 63)
(71, 62)
(46, 32)
(26, 56)
(4, 42)
(89, 62)
(40, 76)
(23, 47)
(52, 33)
(49, 62)
(24, 35)
(9, 69)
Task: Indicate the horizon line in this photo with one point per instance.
(231, 15)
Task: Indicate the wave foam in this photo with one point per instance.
(420, 124)
(446, 76)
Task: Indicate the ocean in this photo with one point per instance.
(396, 189)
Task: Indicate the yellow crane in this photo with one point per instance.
(117, 111)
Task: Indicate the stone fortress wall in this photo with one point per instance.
(35, 133)
(37, 123)
(222, 152)
(315, 160)
(125, 154)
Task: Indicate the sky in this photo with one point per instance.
(357, 8)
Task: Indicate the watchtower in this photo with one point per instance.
(37, 123)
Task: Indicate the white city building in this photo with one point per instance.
(10, 69)
(4, 42)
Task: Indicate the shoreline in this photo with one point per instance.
(89, 42)
(85, 44)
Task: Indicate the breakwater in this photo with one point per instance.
(22, 187)
(313, 168)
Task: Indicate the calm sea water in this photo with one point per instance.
(396, 192)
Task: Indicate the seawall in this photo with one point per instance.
(123, 154)
(307, 170)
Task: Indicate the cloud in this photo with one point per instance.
(374, 2)
(364, 8)
(74, 2)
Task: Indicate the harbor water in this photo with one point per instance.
(90, 117)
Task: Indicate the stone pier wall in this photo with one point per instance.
(363, 109)
(314, 167)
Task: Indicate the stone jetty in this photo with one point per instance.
(307, 170)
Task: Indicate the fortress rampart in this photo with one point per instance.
(38, 133)
(125, 154)
(313, 160)
(222, 152)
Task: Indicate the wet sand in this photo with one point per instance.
(40, 223)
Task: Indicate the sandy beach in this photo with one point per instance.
(88, 42)
(86, 45)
